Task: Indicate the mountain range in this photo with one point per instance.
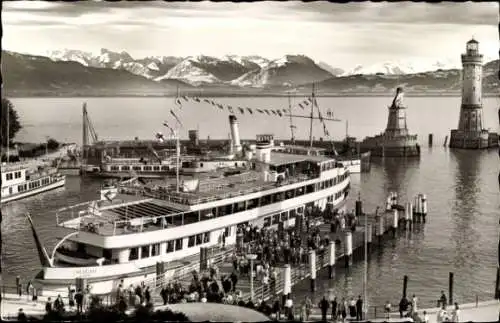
(75, 72)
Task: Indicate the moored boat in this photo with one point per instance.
(125, 234)
(21, 180)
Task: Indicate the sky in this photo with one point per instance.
(342, 35)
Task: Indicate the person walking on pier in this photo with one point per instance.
(443, 301)
(277, 308)
(343, 309)
(308, 306)
(334, 309)
(359, 309)
(79, 301)
(352, 308)
(21, 316)
(324, 305)
(455, 314)
(48, 306)
(387, 309)
(426, 317)
(414, 301)
(19, 286)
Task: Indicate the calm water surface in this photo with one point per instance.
(460, 236)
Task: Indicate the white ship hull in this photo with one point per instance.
(104, 279)
(59, 183)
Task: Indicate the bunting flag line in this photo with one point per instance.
(176, 118)
(270, 112)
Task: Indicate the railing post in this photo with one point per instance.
(114, 227)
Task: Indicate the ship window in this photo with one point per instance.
(227, 231)
(290, 194)
(17, 174)
(20, 188)
(276, 219)
(178, 244)
(265, 200)
(293, 214)
(238, 207)
(10, 190)
(170, 246)
(300, 209)
(156, 167)
(8, 176)
(25, 187)
(335, 181)
(267, 221)
(155, 250)
(235, 164)
(178, 219)
(206, 237)
(147, 168)
(251, 204)
(300, 191)
(144, 252)
(191, 217)
(134, 254)
(115, 168)
(107, 254)
(191, 241)
(164, 167)
(199, 238)
(284, 216)
(228, 209)
(136, 167)
(125, 167)
(221, 211)
(310, 188)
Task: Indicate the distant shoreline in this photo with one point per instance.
(243, 95)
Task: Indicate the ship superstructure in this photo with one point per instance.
(133, 227)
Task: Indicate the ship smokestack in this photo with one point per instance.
(235, 134)
(194, 137)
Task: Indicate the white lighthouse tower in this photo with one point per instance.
(471, 133)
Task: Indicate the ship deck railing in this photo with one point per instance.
(210, 195)
(144, 212)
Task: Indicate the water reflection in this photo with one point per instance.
(465, 207)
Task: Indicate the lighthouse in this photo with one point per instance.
(471, 133)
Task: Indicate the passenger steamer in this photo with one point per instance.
(132, 228)
(20, 180)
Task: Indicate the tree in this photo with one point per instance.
(52, 144)
(13, 120)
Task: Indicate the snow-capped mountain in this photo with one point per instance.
(188, 71)
(286, 71)
(404, 67)
(149, 67)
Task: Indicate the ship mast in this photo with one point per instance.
(8, 133)
(177, 150)
(312, 117)
(291, 120)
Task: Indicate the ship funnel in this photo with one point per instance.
(235, 134)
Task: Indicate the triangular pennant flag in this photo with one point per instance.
(250, 110)
(310, 99)
(178, 101)
(306, 102)
(260, 110)
(220, 106)
(206, 100)
(196, 99)
(230, 108)
(284, 111)
(279, 113)
(300, 105)
(185, 98)
(241, 110)
(266, 111)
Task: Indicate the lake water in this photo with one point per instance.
(460, 236)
